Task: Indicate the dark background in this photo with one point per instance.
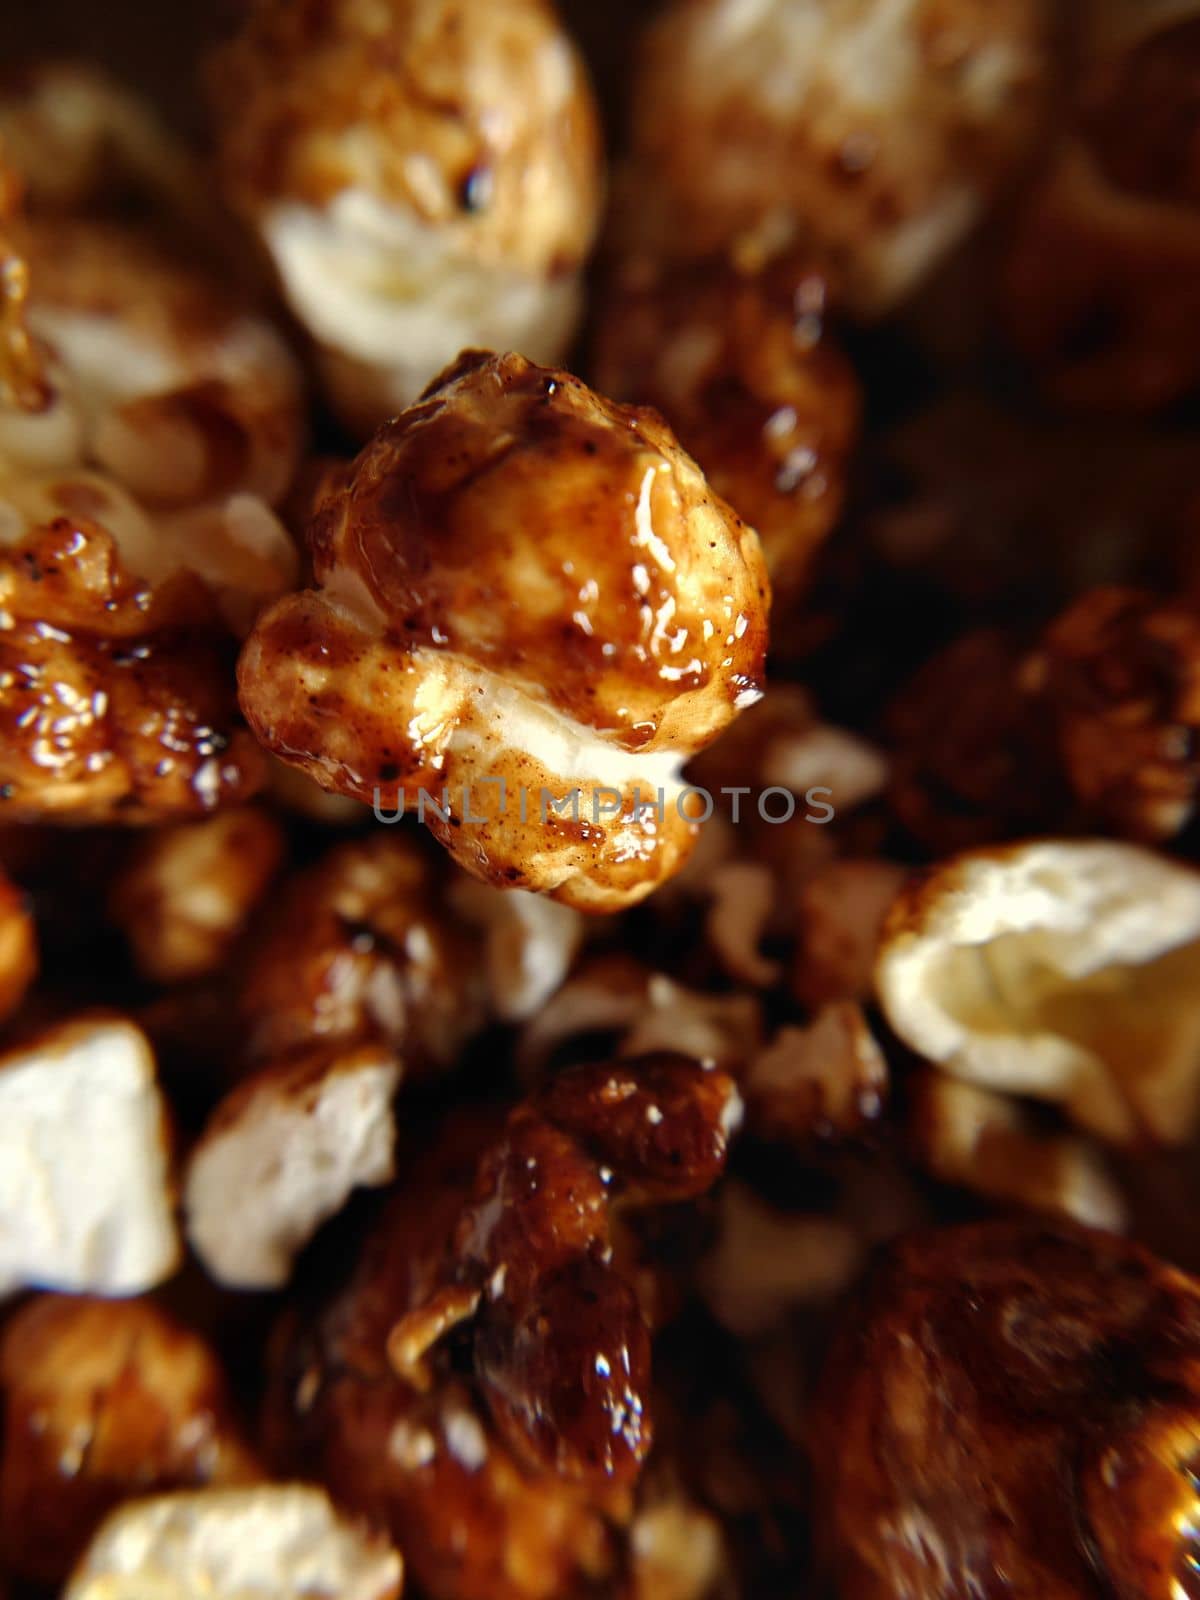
(157, 44)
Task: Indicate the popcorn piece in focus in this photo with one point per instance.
(519, 581)
(361, 947)
(103, 1399)
(426, 175)
(85, 1199)
(869, 135)
(1101, 287)
(290, 1143)
(274, 1542)
(18, 948)
(745, 371)
(1011, 1407)
(187, 892)
(1062, 969)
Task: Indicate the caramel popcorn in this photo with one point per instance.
(425, 174)
(103, 1399)
(524, 594)
(872, 136)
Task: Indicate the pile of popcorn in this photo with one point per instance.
(747, 519)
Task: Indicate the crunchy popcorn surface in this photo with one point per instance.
(518, 581)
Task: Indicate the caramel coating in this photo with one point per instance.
(1101, 283)
(427, 1465)
(103, 1399)
(1012, 1409)
(361, 947)
(162, 379)
(518, 580)
(116, 704)
(869, 135)
(560, 1345)
(425, 173)
(135, 530)
(744, 370)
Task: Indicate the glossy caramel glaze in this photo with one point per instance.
(517, 579)
(1013, 1409)
(427, 1465)
(116, 702)
(561, 1348)
(746, 372)
(103, 1399)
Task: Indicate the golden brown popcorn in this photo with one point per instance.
(1102, 281)
(168, 382)
(187, 892)
(290, 1142)
(1060, 969)
(18, 948)
(278, 1541)
(531, 1270)
(131, 475)
(1012, 1409)
(743, 368)
(71, 1218)
(170, 390)
(869, 135)
(361, 947)
(103, 1399)
(1116, 679)
(425, 174)
(530, 607)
